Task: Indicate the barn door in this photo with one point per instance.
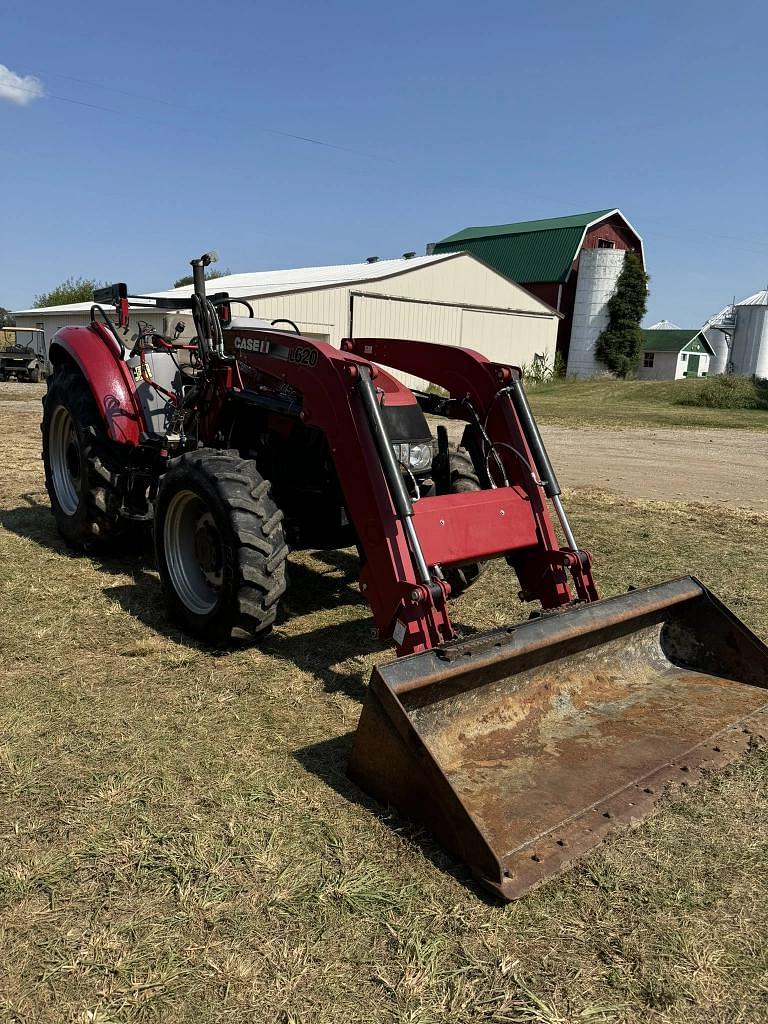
(693, 365)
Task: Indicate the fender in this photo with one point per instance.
(95, 352)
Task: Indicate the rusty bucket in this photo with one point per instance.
(521, 749)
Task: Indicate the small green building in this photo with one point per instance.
(674, 354)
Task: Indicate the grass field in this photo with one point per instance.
(178, 841)
(617, 403)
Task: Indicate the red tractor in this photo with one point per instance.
(251, 440)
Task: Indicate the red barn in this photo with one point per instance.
(543, 255)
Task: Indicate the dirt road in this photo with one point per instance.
(728, 467)
(723, 467)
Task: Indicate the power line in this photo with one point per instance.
(198, 113)
(458, 179)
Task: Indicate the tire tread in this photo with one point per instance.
(255, 526)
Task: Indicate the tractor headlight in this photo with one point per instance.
(420, 457)
(417, 457)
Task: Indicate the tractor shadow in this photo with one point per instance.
(34, 521)
(337, 651)
(315, 651)
(328, 760)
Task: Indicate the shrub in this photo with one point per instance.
(726, 391)
(540, 369)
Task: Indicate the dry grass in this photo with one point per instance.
(178, 841)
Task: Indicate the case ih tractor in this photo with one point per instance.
(519, 748)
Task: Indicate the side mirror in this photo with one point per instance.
(110, 294)
(117, 296)
(223, 308)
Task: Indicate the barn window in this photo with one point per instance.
(605, 243)
(647, 358)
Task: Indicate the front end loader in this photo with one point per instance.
(520, 748)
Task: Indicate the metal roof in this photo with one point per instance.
(758, 299)
(725, 318)
(664, 325)
(541, 256)
(673, 341)
(278, 282)
(576, 220)
(531, 250)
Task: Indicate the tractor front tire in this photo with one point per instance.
(463, 479)
(74, 444)
(220, 546)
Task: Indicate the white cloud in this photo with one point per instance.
(20, 89)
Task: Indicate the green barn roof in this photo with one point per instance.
(529, 250)
(576, 220)
(675, 341)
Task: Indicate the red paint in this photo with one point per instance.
(488, 523)
(95, 352)
(612, 229)
(547, 291)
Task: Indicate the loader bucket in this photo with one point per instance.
(523, 748)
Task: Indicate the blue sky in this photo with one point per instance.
(165, 130)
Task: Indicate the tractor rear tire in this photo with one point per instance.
(463, 479)
(74, 444)
(220, 546)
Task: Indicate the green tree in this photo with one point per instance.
(210, 275)
(6, 318)
(620, 344)
(74, 289)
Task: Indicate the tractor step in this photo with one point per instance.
(523, 749)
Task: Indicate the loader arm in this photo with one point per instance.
(400, 539)
(491, 394)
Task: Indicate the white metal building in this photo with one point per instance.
(453, 298)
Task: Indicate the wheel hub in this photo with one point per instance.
(193, 552)
(73, 459)
(208, 549)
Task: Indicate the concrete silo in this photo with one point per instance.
(749, 355)
(599, 271)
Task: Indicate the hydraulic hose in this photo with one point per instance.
(395, 483)
(111, 326)
(533, 438)
(544, 468)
